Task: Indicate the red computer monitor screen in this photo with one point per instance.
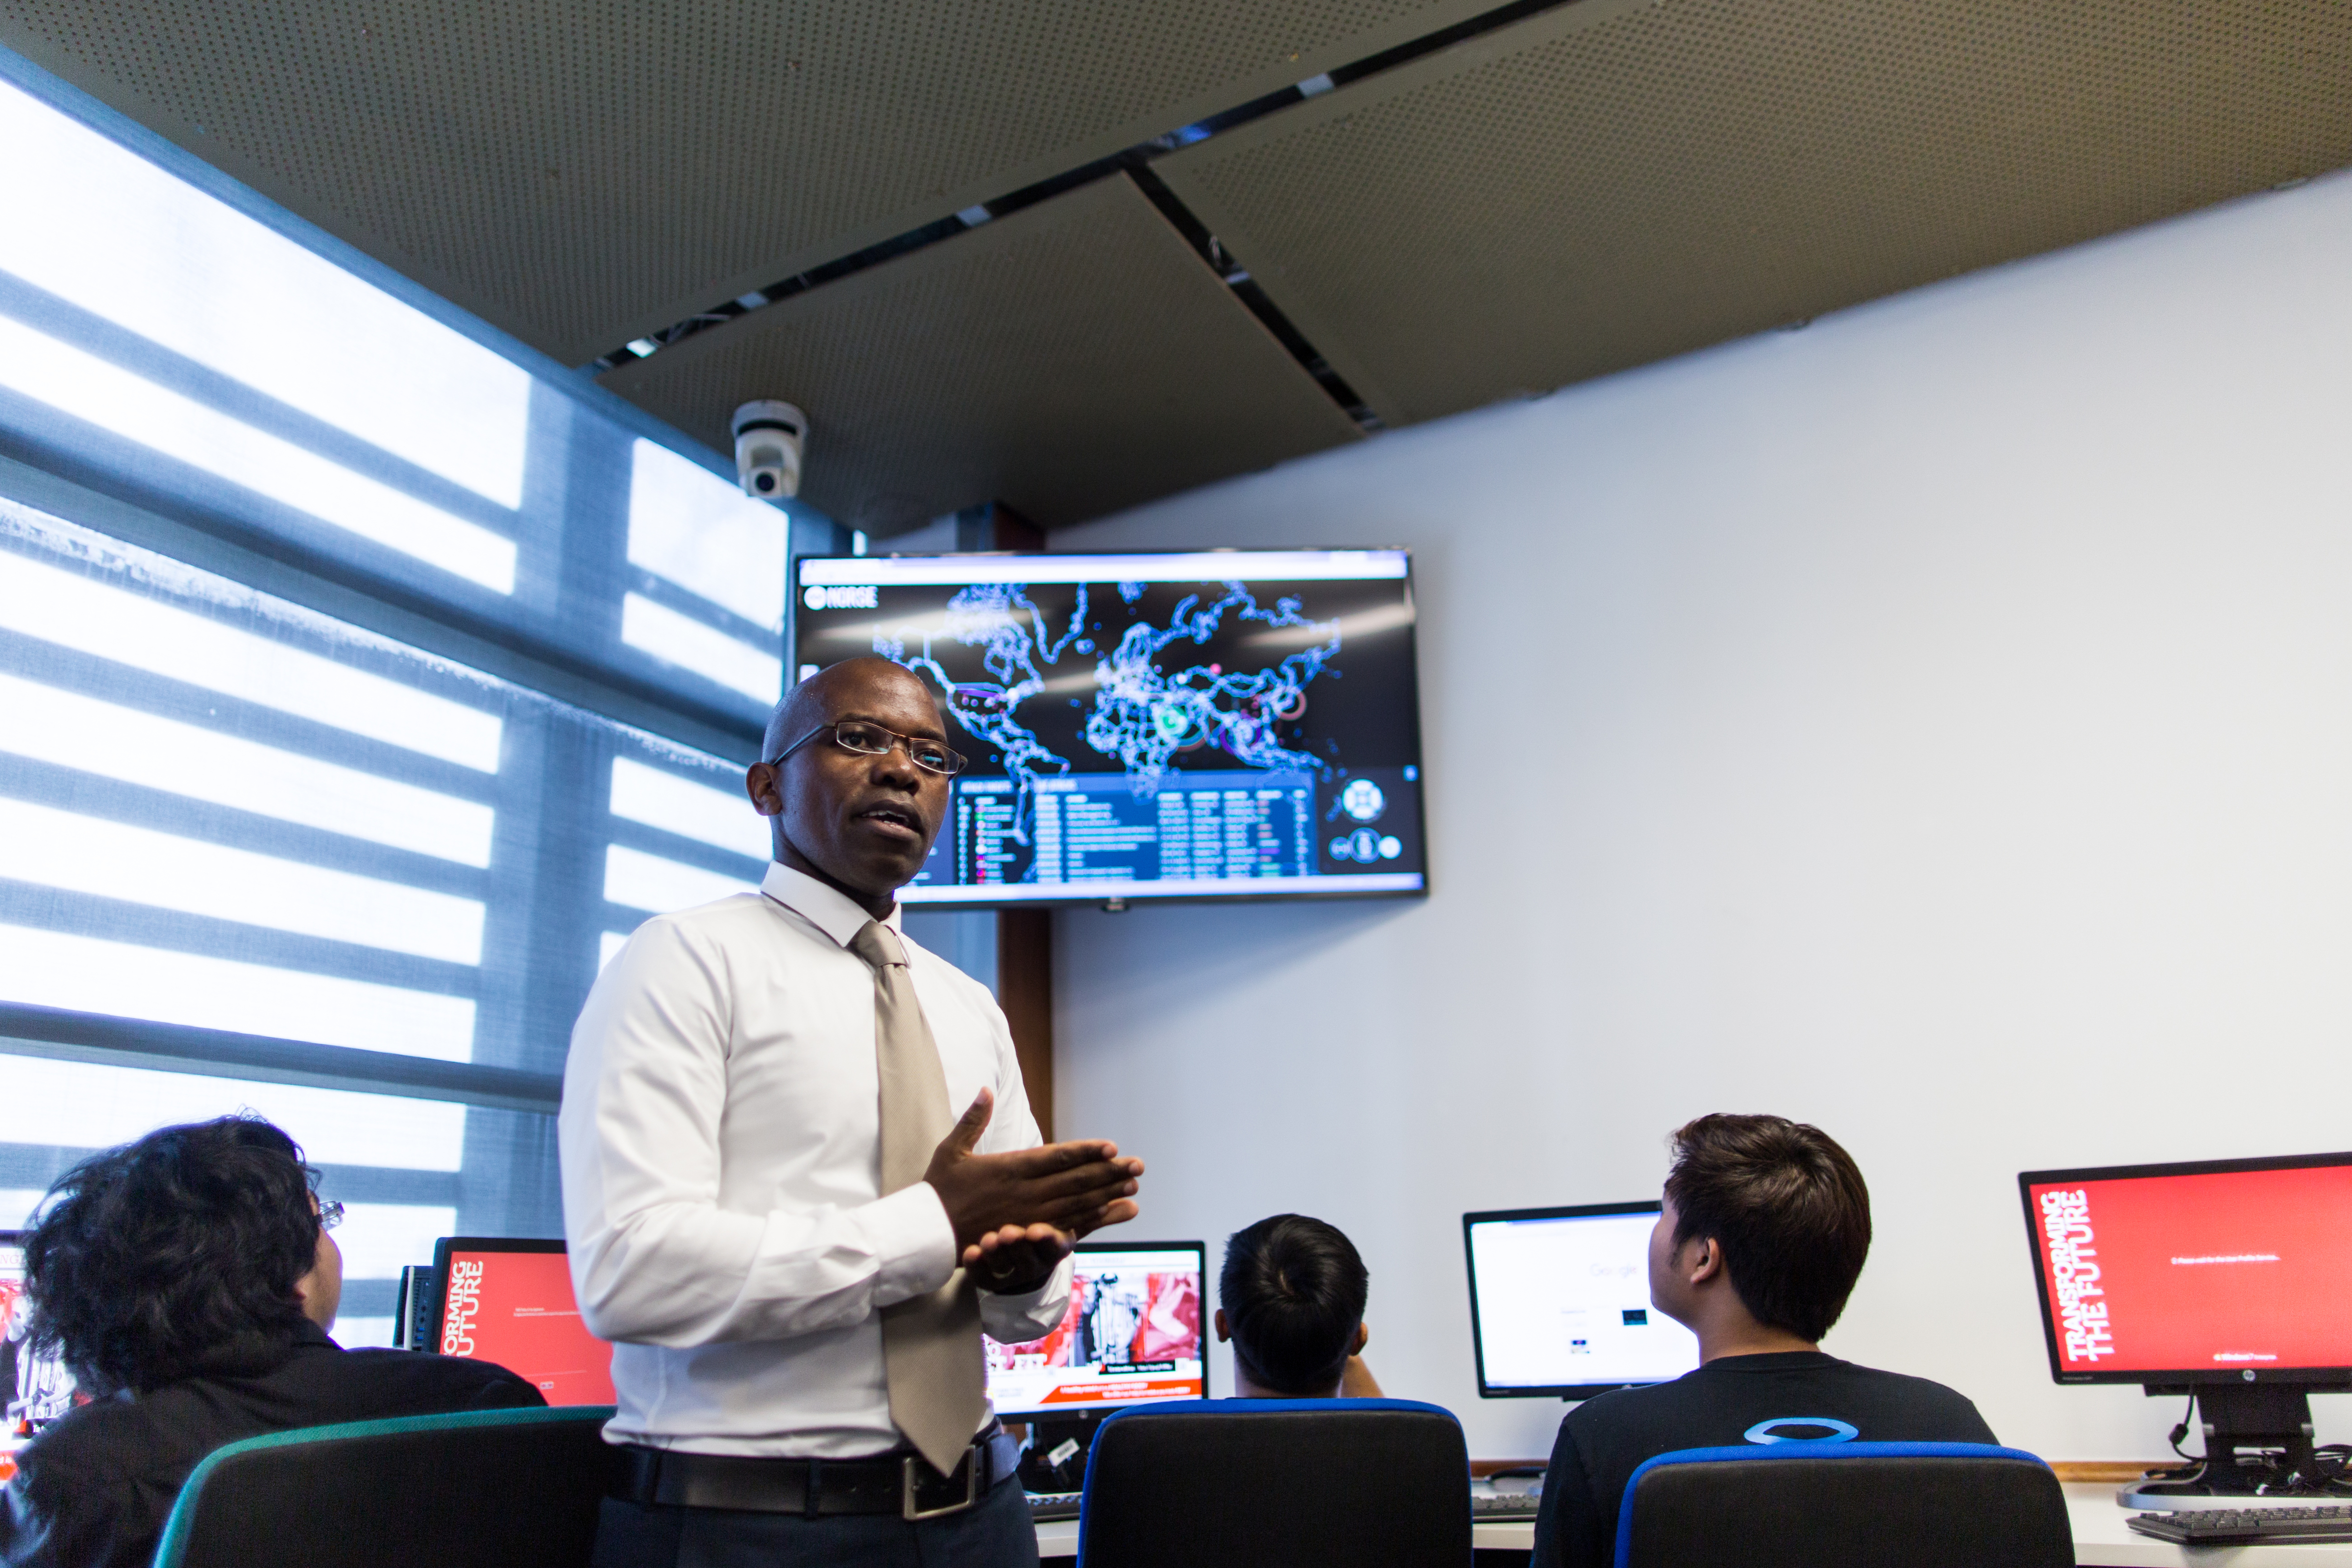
(34, 1390)
(2198, 1271)
(515, 1307)
(1130, 1335)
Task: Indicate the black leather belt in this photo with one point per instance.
(899, 1482)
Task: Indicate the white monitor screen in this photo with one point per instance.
(1559, 1302)
(1132, 1335)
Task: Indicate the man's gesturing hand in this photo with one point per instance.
(1017, 1215)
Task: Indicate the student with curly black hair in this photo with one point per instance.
(188, 1281)
(1291, 1303)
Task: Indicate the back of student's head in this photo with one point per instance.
(1293, 1290)
(1787, 1205)
(156, 1259)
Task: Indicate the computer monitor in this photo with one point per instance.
(1224, 724)
(34, 1390)
(1559, 1302)
(2226, 1278)
(510, 1300)
(1132, 1335)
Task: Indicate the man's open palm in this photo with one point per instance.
(1017, 1215)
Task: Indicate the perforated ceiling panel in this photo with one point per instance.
(580, 171)
(1067, 360)
(1612, 183)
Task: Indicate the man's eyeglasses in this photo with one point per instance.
(331, 1215)
(873, 740)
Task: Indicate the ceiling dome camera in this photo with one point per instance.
(770, 436)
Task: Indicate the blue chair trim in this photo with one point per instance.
(1217, 1407)
(171, 1549)
(1835, 1448)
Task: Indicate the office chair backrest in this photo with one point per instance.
(517, 1488)
(1263, 1483)
(1845, 1505)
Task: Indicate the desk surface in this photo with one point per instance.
(2100, 1538)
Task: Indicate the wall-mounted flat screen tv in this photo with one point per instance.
(1221, 724)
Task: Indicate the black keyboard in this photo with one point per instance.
(2226, 1526)
(1044, 1506)
(1503, 1508)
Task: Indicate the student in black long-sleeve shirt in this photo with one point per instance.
(189, 1281)
(1765, 1226)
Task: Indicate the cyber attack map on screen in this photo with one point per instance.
(1234, 722)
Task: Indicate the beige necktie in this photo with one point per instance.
(930, 1344)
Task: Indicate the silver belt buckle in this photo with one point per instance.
(907, 1509)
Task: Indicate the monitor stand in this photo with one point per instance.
(1070, 1436)
(2254, 1433)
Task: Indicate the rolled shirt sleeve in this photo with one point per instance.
(1015, 1320)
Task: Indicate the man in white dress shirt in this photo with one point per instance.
(722, 1137)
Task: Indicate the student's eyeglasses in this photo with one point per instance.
(873, 740)
(331, 1215)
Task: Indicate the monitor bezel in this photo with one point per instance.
(2164, 1377)
(1477, 1329)
(1078, 899)
(447, 1244)
(1199, 1250)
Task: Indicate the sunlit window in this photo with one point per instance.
(695, 841)
(722, 554)
(690, 807)
(153, 634)
(112, 398)
(88, 1105)
(115, 235)
(220, 810)
(290, 820)
(702, 533)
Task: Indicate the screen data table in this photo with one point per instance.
(1190, 824)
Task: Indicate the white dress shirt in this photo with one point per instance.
(721, 1146)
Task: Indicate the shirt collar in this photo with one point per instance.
(828, 909)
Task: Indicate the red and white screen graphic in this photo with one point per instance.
(34, 1390)
(516, 1309)
(1131, 1334)
(2225, 1270)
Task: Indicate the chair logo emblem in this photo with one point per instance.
(1762, 1432)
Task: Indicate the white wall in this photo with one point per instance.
(1935, 724)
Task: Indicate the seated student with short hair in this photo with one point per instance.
(1291, 1303)
(188, 1281)
(1765, 1227)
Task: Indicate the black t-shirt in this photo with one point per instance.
(93, 1490)
(1605, 1439)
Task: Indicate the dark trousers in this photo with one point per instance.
(995, 1532)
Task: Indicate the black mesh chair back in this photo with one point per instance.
(481, 1489)
(1846, 1505)
(1266, 1483)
